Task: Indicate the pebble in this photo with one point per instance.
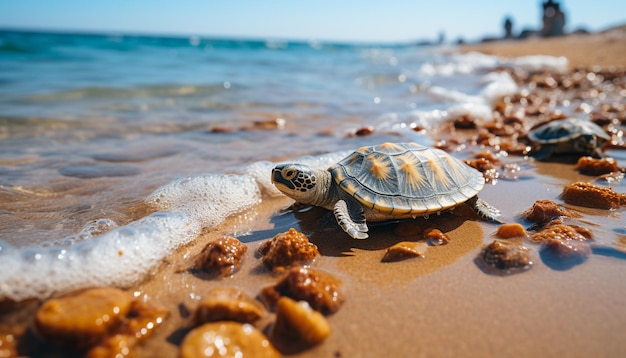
(228, 304)
(592, 196)
(297, 324)
(507, 231)
(81, 320)
(321, 291)
(227, 339)
(506, 256)
(286, 249)
(222, 257)
(543, 211)
(404, 250)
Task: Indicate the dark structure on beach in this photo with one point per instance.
(553, 19)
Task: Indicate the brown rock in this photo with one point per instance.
(543, 211)
(364, 131)
(320, 290)
(436, 237)
(8, 345)
(507, 231)
(465, 121)
(82, 319)
(506, 256)
(228, 304)
(221, 257)
(592, 196)
(297, 324)
(560, 232)
(142, 320)
(592, 166)
(404, 250)
(227, 339)
(568, 249)
(286, 249)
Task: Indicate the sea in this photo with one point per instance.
(95, 128)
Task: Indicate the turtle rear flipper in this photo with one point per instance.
(350, 217)
(484, 209)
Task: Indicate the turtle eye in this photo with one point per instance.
(288, 173)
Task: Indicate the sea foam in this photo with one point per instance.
(488, 86)
(124, 255)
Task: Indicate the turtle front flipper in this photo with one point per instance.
(484, 209)
(350, 217)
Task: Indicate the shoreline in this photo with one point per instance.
(606, 49)
(443, 304)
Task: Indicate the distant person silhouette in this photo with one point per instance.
(508, 28)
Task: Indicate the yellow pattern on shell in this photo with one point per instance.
(380, 169)
(389, 145)
(410, 168)
(439, 176)
(363, 150)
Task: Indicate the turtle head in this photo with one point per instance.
(588, 144)
(297, 181)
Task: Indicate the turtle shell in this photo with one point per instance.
(565, 130)
(406, 179)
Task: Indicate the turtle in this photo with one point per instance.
(390, 181)
(570, 135)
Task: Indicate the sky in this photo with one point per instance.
(334, 20)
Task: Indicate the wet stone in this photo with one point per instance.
(567, 250)
(404, 250)
(81, 320)
(227, 339)
(592, 166)
(506, 256)
(436, 237)
(298, 325)
(592, 196)
(221, 257)
(465, 121)
(286, 249)
(507, 231)
(560, 231)
(543, 211)
(8, 345)
(481, 164)
(276, 123)
(228, 304)
(140, 323)
(364, 131)
(319, 290)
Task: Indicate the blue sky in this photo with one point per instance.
(352, 20)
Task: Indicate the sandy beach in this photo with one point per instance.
(607, 49)
(446, 303)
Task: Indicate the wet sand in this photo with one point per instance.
(444, 304)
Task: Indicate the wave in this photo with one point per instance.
(124, 255)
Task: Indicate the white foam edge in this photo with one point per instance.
(473, 62)
(123, 256)
(119, 258)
